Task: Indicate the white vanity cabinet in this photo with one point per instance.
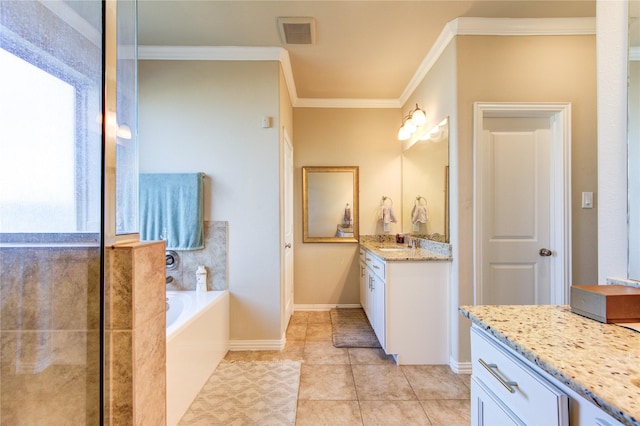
(363, 280)
(374, 296)
(506, 389)
(406, 303)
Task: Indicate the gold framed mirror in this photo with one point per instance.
(330, 204)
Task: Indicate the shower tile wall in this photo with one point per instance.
(135, 335)
(49, 335)
(213, 256)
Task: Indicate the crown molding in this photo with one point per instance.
(346, 103)
(210, 53)
(526, 26)
(447, 34)
(224, 53)
(456, 27)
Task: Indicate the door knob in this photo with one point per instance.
(545, 252)
(288, 245)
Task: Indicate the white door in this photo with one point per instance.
(288, 228)
(517, 252)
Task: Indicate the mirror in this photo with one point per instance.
(633, 141)
(330, 204)
(425, 185)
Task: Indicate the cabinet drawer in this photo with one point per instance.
(376, 264)
(363, 253)
(534, 400)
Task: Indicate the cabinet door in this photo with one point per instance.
(486, 410)
(363, 284)
(378, 308)
(368, 276)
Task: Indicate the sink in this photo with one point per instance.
(393, 248)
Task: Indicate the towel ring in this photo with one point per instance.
(385, 198)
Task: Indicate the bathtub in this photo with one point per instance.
(197, 340)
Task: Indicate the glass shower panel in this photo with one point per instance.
(127, 119)
(50, 211)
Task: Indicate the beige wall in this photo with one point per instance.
(437, 94)
(327, 273)
(189, 121)
(528, 69)
(204, 116)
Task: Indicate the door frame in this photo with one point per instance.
(559, 114)
(287, 309)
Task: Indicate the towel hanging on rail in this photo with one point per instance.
(387, 216)
(171, 208)
(419, 211)
(346, 219)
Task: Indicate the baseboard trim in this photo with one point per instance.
(460, 367)
(257, 345)
(324, 307)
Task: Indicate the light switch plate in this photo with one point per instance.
(587, 200)
(265, 122)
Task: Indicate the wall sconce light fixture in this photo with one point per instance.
(123, 132)
(411, 122)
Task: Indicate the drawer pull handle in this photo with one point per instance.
(368, 259)
(492, 369)
(376, 267)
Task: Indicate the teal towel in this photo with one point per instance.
(171, 208)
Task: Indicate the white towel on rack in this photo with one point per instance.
(346, 218)
(419, 214)
(387, 216)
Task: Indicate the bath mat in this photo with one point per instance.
(247, 393)
(351, 329)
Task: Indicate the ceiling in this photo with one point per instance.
(364, 49)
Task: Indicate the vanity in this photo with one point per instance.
(405, 293)
(546, 365)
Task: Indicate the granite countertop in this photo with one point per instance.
(599, 361)
(404, 252)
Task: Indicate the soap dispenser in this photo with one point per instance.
(201, 279)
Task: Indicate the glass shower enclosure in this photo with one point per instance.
(53, 156)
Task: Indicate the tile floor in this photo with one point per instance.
(364, 386)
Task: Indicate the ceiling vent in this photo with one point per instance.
(297, 30)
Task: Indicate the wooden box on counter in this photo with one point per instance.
(606, 303)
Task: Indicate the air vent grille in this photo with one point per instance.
(297, 30)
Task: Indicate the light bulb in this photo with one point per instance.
(123, 132)
(418, 117)
(403, 134)
(410, 126)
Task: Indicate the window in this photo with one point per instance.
(46, 174)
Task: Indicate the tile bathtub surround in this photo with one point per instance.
(213, 257)
(135, 332)
(598, 361)
(363, 386)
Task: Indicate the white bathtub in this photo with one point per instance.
(197, 340)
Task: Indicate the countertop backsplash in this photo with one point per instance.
(623, 281)
(442, 249)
